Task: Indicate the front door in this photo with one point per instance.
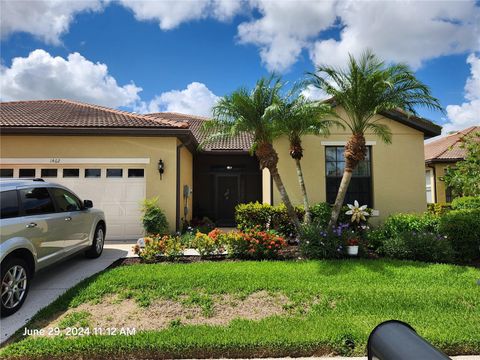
(227, 197)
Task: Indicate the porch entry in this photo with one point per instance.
(221, 182)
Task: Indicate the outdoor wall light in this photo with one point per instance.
(229, 167)
(161, 167)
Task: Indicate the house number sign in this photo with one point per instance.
(55, 160)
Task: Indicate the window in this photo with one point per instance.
(360, 187)
(65, 200)
(9, 204)
(36, 201)
(448, 194)
(71, 173)
(135, 173)
(115, 173)
(428, 186)
(26, 173)
(49, 173)
(6, 173)
(93, 173)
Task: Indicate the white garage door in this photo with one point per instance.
(117, 189)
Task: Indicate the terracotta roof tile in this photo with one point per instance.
(447, 148)
(74, 114)
(242, 142)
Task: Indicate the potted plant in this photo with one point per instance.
(352, 246)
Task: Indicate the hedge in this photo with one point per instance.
(466, 202)
(399, 223)
(266, 216)
(462, 228)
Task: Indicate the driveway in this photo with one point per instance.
(52, 282)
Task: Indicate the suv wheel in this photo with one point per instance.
(97, 245)
(15, 275)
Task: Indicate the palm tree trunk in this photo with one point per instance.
(355, 151)
(308, 216)
(342, 192)
(268, 158)
(286, 200)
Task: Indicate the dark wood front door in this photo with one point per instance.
(227, 197)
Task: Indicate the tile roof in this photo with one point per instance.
(73, 114)
(447, 148)
(242, 142)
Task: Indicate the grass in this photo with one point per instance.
(333, 307)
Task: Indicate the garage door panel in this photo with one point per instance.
(119, 198)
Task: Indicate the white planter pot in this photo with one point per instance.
(352, 250)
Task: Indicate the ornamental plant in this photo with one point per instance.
(256, 244)
(157, 246)
(212, 243)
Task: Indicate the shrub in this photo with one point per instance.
(466, 202)
(209, 244)
(153, 218)
(462, 228)
(439, 208)
(316, 243)
(400, 223)
(255, 244)
(422, 246)
(204, 225)
(156, 246)
(266, 217)
(321, 213)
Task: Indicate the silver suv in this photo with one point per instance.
(41, 223)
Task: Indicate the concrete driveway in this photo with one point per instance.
(52, 282)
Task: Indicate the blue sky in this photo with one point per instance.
(185, 55)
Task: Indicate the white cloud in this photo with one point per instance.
(402, 31)
(196, 99)
(170, 14)
(46, 19)
(285, 28)
(468, 113)
(42, 76)
(313, 93)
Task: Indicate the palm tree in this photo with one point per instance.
(254, 112)
(297, 116)
(364, 89)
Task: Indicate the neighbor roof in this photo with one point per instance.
(447, 148)
(242, 142)
(73, 114)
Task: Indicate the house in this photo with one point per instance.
(117, 158)
(439, 154)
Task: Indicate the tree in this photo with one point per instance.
(254, 112)
(464, 177)
(295, 117)
(365, 88)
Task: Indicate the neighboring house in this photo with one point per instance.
(439, 154)
(114, 158)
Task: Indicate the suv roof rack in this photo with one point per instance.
(38, 179)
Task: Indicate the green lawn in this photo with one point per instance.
(344, 302)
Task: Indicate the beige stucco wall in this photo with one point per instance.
(155, 148)
(186, 178)
(398, 169)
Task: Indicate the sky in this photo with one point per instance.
(150, 56)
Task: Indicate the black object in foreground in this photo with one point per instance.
(396, 340)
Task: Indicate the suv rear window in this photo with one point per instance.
(9, 204)
(36, 201)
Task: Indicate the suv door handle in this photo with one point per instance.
(68, 218)
(31, 225)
